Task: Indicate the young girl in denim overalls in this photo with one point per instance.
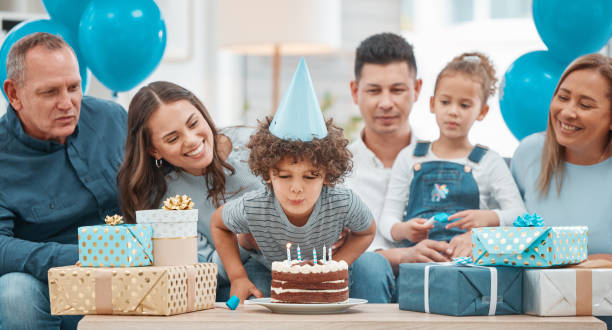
(470, 183)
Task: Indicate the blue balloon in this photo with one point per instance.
(122, 41)
(67, 12)
(571, 28)
(42, 25)
(526, 92)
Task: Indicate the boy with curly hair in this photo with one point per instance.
(301, 203)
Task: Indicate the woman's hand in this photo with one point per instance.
(460, 246)
(473, 219)
(243, 288)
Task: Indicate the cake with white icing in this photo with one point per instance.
(306, 283)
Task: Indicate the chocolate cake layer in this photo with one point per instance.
(310, 277)
(309, 286)
(311, 297)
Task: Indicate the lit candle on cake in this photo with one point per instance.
(314, 255)
(329, 255)
(288, 252)
(299, 253)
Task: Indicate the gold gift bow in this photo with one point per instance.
(178, 202)
(113, 220)
(584, 281)
(104, 292)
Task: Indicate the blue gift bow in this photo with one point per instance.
(462, 262)
(528, 220)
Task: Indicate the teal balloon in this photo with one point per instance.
(42, 25)
(122, 41)
(526, 92)
(67, 12)
(571, 28)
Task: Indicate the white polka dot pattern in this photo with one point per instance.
(529, 246)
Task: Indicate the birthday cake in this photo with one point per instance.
(308, 283)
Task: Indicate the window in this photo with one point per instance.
(461, 11)
(510, 8)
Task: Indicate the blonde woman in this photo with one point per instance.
(564, 174)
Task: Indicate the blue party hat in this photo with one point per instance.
(299, 116)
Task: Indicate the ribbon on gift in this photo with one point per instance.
(584, 283)
(175, 251)
(528, 220)
(104, 292)
(191, 279)
(463, 262)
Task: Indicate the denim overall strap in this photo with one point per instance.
(442, 186)
(477, 153)
(421, 149)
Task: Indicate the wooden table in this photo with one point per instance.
(368, 316)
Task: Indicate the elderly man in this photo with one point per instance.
(60, 153)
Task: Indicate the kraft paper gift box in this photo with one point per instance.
(583, 289)
(166, 290)
(119, 245)
(175, 235)
(444, 288)
(529, 246)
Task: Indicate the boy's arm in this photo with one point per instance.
(227, 247)
(356, 244)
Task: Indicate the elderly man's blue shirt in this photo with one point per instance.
(48, 189)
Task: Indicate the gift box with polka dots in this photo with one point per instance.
(529, 246)
(125, 245)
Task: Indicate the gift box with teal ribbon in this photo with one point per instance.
(529, 244)
(115, 244)
(460, 290)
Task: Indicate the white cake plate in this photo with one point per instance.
(306, 308)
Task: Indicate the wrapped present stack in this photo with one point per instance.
(536, 247)
(114, 274)
(494, 281)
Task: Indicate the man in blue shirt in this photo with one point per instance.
(60, 153)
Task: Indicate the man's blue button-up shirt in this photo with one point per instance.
(48, 189)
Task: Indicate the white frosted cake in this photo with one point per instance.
(308, 283)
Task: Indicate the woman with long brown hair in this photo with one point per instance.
(173, 147)
(565, 173)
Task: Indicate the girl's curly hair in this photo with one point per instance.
(329, 154)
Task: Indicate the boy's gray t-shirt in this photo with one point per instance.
(259, 212)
